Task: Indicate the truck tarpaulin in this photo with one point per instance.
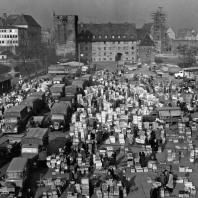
(60, 108)
(35, 136)
(17, 111)
(57, 88)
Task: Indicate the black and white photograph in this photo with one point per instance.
(98, 98)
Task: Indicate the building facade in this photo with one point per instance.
(108, 42)
(47, 36)
(171, 33)
(65, 34)
(147, 50)
(17, 29)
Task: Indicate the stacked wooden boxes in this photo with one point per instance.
(85, 186)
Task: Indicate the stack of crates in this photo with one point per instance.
(104, 116)
(85, 186)
(105, 190)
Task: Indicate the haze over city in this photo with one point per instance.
(181, 13)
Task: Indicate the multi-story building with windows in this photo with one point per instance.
(108, 42)
(17, 29)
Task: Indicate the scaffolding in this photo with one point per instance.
(159, 30)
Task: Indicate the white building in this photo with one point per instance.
(171, 33)
(10, 37)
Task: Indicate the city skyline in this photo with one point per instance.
(180, 13)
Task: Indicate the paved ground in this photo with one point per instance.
(57, 140)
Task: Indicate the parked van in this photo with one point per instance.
(18, 171)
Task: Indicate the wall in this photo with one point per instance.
(107, 51)
(146, 54)
(65, 34)
(86, 50)
(176, 43)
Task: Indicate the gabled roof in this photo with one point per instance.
(22, 19)
(108, 31)
(147, 41)
(147, 26)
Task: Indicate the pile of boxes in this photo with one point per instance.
(57, 187)
(173, 156)
(57, 163)
(85, 187)
(189, 189)
(109, 189)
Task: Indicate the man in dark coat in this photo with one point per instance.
(142, 159)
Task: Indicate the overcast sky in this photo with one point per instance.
(180, 13)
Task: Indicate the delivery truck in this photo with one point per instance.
(33, 105)
(59, 115)
(57, 91)
(41, 96)
(16, 119)
(34, 145)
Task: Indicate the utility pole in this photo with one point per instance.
(79, 54)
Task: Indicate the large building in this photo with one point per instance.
(65, 34)
(15, 30)
(108, 42)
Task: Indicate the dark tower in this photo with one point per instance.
(159, 29)
(65, 33)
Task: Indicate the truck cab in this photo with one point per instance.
(59, 115)
(18, 171)
(34, 145)
(16, 119)
(180, 74)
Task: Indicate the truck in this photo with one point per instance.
(59, 115)
(16, 119)
(34, 145)
(71, 92)
(167, 114)
(185, 74)
(8, 150)
(80, 83)
(56, 69)
(173, 70)
(59, 79)
(87, 78)
(33, 105)
(57, 91)
(16, 177)
(41, 96)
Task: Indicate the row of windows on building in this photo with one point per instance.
(111, 59)
(8, 36)
(112, 48)
(107, 48)
(6, 30)
(110, 53)
(106, 37)
(8, 42)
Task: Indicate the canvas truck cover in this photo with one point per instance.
(79, 83)
(169, 111)
(86, 77)
(187, 97)
(34, 103)
(57, 88)
(40, 95)
(65, 101)
(59, 78)
(71, 89)
(59, 108)
(35, 136)
(17, 111)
